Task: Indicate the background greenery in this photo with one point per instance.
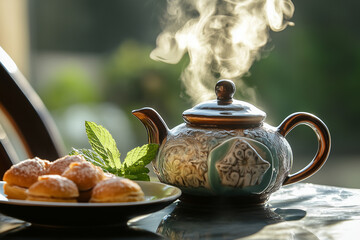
(312, 67)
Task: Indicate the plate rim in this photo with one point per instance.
(173, 197)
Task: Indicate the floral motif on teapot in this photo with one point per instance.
(183, 160)
(200, 161)
(242, 166)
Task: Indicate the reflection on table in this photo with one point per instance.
(299, 211)
(189, 221)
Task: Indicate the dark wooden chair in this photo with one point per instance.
(25, 124)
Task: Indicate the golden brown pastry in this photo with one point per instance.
(22, 175)
(15, 192)
(108, 175)
(61, 164)
(85, 175)
(53, 188)
(117, 190)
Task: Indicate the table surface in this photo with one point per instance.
(298, 211)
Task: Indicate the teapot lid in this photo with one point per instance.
(224, 111)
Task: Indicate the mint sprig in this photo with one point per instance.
(105, 154)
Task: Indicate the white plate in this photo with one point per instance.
(157, 196)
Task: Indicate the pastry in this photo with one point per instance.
(109, 175)
(68, 179)
(61, 164)
(85, 175)
(117, 190)
(53, 188)
(22, 175)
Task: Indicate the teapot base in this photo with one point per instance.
(224, 201)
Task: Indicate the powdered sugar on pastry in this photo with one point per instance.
(25, 173)
(53, 188)
(84, 174)
(117, 190)
(61, 164)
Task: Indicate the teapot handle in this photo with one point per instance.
(324, 141)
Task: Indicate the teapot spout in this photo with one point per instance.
(157, 129)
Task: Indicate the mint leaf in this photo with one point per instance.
(90, 155)
(139, 177)
(103, 143)
(106, 155)
(93, 157)
(134, 166)
(134, 170)
(141, 156)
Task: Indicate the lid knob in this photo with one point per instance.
(225, 111)
(225, 90)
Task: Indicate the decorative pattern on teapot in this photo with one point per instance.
(215, 161)
(183, 159)
(242, 166)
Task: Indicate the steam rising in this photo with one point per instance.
(222, 38)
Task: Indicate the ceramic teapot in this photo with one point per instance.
(224, 148)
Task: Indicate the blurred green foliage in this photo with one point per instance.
(68, 86)
(130, 80)
(133, 81)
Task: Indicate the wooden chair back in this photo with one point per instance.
(25, 124)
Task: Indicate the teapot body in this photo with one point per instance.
(224, 148)
(220, 161)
